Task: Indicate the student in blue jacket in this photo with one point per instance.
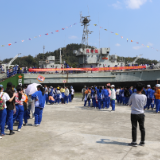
(105, 97)
(99, 96)
(93, 92)
(149, 96)
(39, 97)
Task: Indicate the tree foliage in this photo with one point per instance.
(67, 55)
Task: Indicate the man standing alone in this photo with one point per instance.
(138, 101)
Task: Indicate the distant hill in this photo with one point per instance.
(68, 56)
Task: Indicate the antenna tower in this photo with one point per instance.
(85, 22)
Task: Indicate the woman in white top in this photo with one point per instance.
(4, 97)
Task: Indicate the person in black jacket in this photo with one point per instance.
(10, 108)
(126, 95)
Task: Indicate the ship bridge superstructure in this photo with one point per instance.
(94, 57)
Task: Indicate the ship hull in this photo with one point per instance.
(119, 78)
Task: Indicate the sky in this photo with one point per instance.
(137, 20)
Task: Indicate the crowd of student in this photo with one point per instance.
(104, 96)
(59, 95)
(139, 98)
(16, 106)
(16, 70)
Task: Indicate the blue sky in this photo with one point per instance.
(137, 20)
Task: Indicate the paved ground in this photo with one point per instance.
(74, 132)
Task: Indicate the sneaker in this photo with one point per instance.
(19, 130)
(7, 130)
(133, 144)
(0, 137)
(142, 143)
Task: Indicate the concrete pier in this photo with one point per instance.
(74, 132)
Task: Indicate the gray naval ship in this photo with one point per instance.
(94, 58)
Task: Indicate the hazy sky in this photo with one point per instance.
(137, 20)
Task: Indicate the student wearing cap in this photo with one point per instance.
(137, 102)
(4, 97)
(149, 96)
(62, 90)
(58, 95)
(113, 97)
(157, 96)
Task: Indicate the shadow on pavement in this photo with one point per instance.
(92, 108)
(108, 141)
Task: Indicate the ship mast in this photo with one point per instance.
(85, 22)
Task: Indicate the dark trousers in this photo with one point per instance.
(62, 100)
(72, 96)
(140, 119)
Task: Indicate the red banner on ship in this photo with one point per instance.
(86, 69)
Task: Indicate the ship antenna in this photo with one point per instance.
(85, 22)
(99, 31)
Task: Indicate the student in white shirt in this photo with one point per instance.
(72, 93)
(138, 101)
(113, 97)
(117, 95)
(3, 113)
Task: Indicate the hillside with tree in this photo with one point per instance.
(68, 56)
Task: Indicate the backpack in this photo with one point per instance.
(88, 96)
(127, 93)
(143, 92)
(2, 105)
